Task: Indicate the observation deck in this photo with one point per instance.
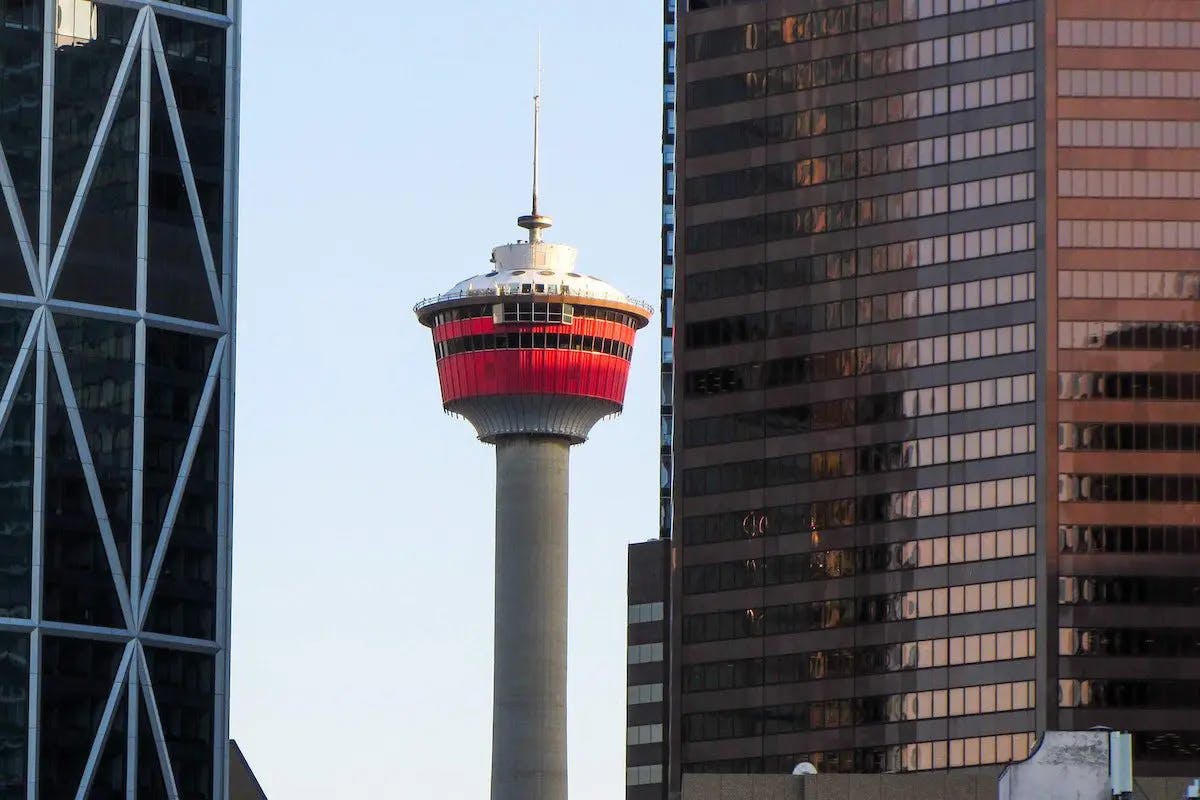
(533, 347)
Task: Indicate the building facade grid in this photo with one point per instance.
(934, 382)
(118, 162)
(904, 135)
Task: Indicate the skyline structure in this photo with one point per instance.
(118, 161)
(929, 458)
(532, 354)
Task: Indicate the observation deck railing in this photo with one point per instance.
(510, 289)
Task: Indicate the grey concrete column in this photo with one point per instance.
(529, 722)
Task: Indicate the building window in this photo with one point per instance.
(645, 693)
(644, 775)
(1128, 33)
(645, 612)
(561, 313)
(645, 653)
(1128, 133)
(643, 734)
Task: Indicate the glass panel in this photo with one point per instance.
(78, 585)
(176, 283)
(88, 53)
(184, 687)
(151, 785)
(14, 277)
(216, 6)
(99, 356)
(101, 263)
(176, 367)
(77, 675)
(14, 712)
(184, 602)
(109, 781)
(20, 127)
(16, 472)
(16, 500)
(196, 60)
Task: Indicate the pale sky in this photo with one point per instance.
(383, 155)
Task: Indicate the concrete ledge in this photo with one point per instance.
(1064, 766)
(957, 785)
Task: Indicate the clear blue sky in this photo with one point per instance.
(384, 153)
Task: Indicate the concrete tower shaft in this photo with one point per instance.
(532, 354)
(529, 707)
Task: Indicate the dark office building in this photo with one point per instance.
(646, 668)
(117, 165)
(931, 382)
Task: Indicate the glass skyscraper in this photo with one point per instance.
(118, 167)
(646, 665)
(930, 465)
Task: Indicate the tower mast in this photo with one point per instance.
(534, 222)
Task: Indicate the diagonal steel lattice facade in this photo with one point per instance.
(118, 164)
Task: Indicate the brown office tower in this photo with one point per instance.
(932, 394)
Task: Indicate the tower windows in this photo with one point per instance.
(562, 313)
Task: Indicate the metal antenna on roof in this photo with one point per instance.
(534, 222)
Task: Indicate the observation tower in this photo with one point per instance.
(532, 353)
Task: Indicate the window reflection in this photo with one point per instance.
(1122, 284)
(1128, 335)
(863, 311)
(1165, 591)
(1128, 133)
(1129, 386)
(860, 610)
(854, 711)
(1126, 234)
(831, 564)
(870, 260)
(861, 410)
(1110, 488)
(1174, 437)
(911, 757)
(1128, 183)
(865, 509)
(861, 361)
(1174, 539)
(20, 110)
(1137, 642)
(78, 585)
(100, 266)
(774, 226)
(75, 22)
(864, 460)
(1128, 83)
(1127, 694)
(1166, 745)
(1128, 33)
(820, 121)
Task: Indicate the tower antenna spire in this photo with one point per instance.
(537, 118)
(534, 222)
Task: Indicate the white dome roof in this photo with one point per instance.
(538, 263)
